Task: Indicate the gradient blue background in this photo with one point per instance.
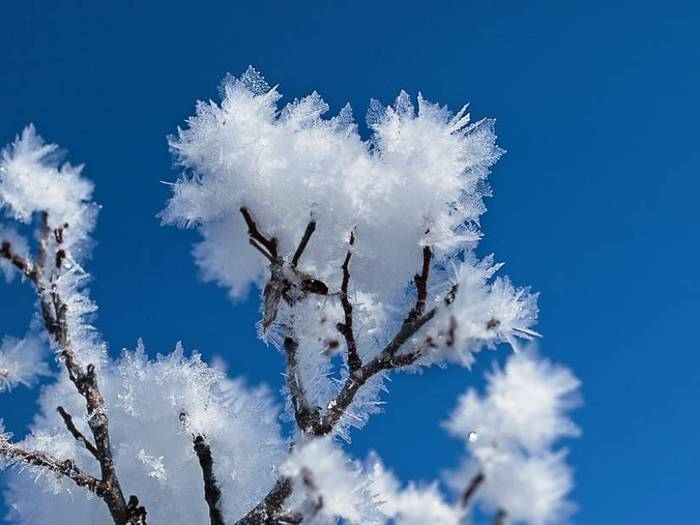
(595, 203)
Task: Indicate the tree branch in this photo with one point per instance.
(54, 313)
(354, 361)
(471, 489)
(79, 437)
(65, 467)
(24, 266)
(311, 421)
(212, 492)
(304, 415)
(310, 228)
(254, 233)
(421, 280)
(387, 358)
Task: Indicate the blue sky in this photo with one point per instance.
(595, 202)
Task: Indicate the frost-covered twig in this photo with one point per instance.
(54, 313)
(421, 280)
(63, 467)
(304, 415)
(268, 247)
(77, 434)
(285, 282)
(471, 489)
(309, 420)
(387, 358)
(212, 492)
(345, 328)
(310, 228)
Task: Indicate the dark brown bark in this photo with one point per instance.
(79, 437)
(54, 313)
(310, 228)
(471, 489)
(64, 467)
(313, 421)
(304, 415)
(212, 492)
(421, 280)
(345, 328)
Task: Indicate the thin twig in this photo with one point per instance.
(421, 280)
(64, 467)
(311, 421)
(303, 414)
(20, 263)
(55, 316)
(304, 241)
(77, 434)
(212, 492)
(471, 489)
(269, 244)
(346, 329)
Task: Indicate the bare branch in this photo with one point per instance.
(79, 437)
(255, 235)
(421, 280)
(63, 467)
(269, 510)
(303, 413)
(471, 489)
(212, 492)
(310, 228)
(43, 240)
(310, 420)
(354, 361)
(23, 265)
(388, 358)
(54, 313)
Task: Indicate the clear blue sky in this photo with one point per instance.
(596, 203)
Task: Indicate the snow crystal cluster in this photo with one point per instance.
(390, 226)
(34, 183)
(33, 180)
(155, 408)
(511, 433)
(21, 361)
(334, 486)
(412, 505)
(419, 180)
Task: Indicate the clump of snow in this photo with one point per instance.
(518, 423)
(335, 485)
(419, 180)
(32, 180)
(411, 505)
(155, 407)
(19, 246)
(21, 361)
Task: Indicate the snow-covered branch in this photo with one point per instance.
(364, 253)
(28, 158)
